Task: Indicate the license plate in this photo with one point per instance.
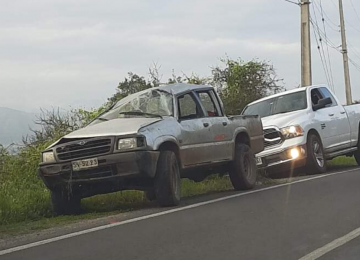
(85, 164)
(259, 161)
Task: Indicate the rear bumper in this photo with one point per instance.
(113, 169)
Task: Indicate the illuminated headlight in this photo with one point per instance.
(48, 157)
(130, 143)
(292, 131)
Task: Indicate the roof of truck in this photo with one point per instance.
(178, 88)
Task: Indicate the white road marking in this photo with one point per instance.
(332, 246)
(87, 231)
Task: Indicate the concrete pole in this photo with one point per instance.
(306, 74)
(345, 55)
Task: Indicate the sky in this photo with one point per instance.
(66, 53)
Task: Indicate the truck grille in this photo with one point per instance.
(84, 148)
(272, 138)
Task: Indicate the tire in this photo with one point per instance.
(357, 156)
(243, 170)
(150, 195)
(315, 162)
(167, 182)
(65, 204)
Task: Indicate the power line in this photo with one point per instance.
(327, 46)
(353, 6)
(325, 62)
(292, 2)
(351, 25)
(356, 65)
(321, 56)
(328, 20)
(326, 39)
(356, 53)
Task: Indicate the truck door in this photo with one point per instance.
(340, 119)
(220, 127)
(196, 137)
(328, 119)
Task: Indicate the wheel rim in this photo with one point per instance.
(318, 153)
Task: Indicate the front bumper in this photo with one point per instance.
(112, 168)
(281, 156)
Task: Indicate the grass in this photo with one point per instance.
(107, 205)
(25, 202)
(341, 162)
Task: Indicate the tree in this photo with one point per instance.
(240, 83)
(193, 79)
(134, 83)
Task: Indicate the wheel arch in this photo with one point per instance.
(171, 146)
(313, 131)
(243, 138)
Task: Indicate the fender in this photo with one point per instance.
(162, 139)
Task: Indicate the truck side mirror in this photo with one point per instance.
(322, 103)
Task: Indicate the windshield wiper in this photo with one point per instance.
(139, 113)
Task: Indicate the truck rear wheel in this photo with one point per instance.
(150, 195)
(65, 204)
(243, 172)
(315, 162)
(167, 180)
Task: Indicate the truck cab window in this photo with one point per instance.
(208, 104)
(188, 108)
(315, 96)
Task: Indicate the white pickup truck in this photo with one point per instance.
(306, 127)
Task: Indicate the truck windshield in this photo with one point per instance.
(148, 103)
(278, 105)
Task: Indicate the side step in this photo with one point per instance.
(339, 153)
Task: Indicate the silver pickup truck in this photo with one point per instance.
(148, 141)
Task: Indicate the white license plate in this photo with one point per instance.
(85, 164)
(259, 161)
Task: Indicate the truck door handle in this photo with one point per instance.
(225, 123)
(206, 124)
(331, 114)
(342, 112)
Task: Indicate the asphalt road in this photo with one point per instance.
(287, 222)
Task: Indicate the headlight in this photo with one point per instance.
(292, 131)
(48, 157)
(131, 143)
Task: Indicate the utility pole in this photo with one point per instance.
(345, 55)
(306, 77)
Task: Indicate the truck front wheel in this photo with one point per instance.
(243, 172)
(167, 180)
(315, 162)
(65, 204)
(357, 155)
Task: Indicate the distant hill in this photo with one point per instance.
(14, 125)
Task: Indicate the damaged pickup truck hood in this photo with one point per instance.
(115, 127)
(285, 120)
